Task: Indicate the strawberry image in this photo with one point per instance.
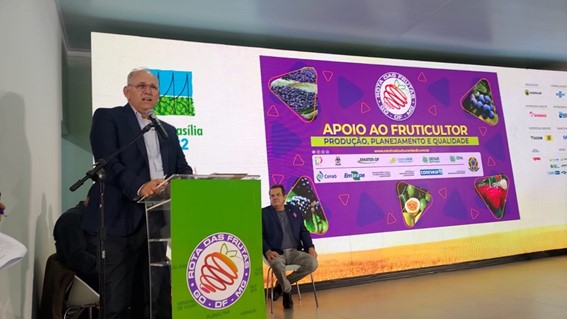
(481, 189)
(493, 190)
(493, 197)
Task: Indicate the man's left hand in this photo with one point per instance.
(313, 252)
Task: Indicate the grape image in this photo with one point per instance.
(479, 103)
(304, 75)
(298, 99)
(303, 197)
(298, 90)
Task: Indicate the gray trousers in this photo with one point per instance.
(307, 264)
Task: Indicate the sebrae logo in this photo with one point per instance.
(395, 96)
(218, 271)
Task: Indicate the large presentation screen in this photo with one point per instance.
(374, 148)
(393, 164)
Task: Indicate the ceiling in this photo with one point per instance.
(515, 33)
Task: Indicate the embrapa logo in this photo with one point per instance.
(218, 271)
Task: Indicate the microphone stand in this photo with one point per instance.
(97, 173)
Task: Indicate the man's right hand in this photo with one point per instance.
(151, 188)
(270, 254)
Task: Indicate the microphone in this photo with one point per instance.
(157, 124)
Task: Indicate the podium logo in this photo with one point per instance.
(218, 271)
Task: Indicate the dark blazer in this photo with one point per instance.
(272, 233)
(111, 129)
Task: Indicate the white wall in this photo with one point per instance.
(30, 144)
(76, 157)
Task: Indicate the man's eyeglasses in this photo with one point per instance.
(144, 86)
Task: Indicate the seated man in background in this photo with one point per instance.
(286, 241)
(71, 245)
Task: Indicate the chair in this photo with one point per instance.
(81, 297)
(271, 280)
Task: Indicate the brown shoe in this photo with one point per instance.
(287, 301)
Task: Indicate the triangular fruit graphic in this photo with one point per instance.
(414, 202)
(298, 90)
(493, 191)
(303, 196)
(479, 102)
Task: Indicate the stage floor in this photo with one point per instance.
(520, 290)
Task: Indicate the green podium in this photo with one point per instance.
(205, 247)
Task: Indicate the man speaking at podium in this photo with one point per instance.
(136, 172)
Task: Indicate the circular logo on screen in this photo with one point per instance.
(395, 96)
(218, 271)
